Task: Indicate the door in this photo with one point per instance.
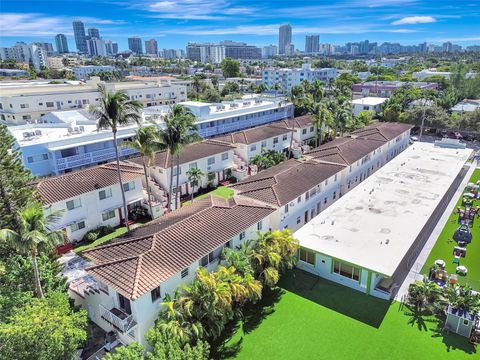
(306, 217)
(124, 304)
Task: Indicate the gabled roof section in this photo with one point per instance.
(134, 266)
(383, 131)
(189, 153)
(67, 186)
(253, 135)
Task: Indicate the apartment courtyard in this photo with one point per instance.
(443, 248)
(312, 318)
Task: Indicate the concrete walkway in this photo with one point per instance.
(414, 273)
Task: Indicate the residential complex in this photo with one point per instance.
(21, 52)
(286, 78)
(367, 104)
(166, 252)
(216, 53)
(22, 102)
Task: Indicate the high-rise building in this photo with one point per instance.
(269, 51)
(114, 48)
(93, 33)
(32, 54)
(61, 43)
(364, 47)
(48, 47)
(284, 37)
(289, 49)
(447, 47)
(151, 47)
(206, 52)
(312, 43)
(135, 45)
(96, 47)
(80, 38)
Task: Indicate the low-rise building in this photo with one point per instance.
(129, 277)
(90, 198)
(466, 105)
(304, 131)
(22, 102)
(367, 104)
(385, 88)
(285, 79)
(84, 72)
(369, 239)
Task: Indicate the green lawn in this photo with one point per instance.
(312, 318)
(443, 248)
(119, 231)
(221, 191)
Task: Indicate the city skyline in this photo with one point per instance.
(174, 24)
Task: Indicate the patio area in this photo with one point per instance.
(311, 318)
(444, 247)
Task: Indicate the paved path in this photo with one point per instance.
(414, 273)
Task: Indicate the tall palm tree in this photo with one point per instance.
(146, 143)
(34, 235)
(194, 176)
(321, 116)
(115, 110)
(179, 131)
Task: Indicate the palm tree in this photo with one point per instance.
(34, 235)
(194, 176)
(146, 143)
(178, 132)
(321, 116)
(115, 110)
(422, 294)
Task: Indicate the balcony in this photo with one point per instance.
(93, 157)
(120, 320)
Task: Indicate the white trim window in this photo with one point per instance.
(346, 270)
(108, 215)
(74, 204)
(77, 226)
(105, 194)
(307, 256)
(129, 186)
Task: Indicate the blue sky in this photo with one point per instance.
(174, 23)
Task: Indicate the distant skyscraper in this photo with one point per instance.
(48, 47)
(61, 43)
(312, 43)
(135, 45)
(289, 49)
(151, 47)
(80, 38)
(114, 48)
(447, 46)
(93, 33)
(96, 47)
(284, 37)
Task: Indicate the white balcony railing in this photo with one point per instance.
(91, 158)
(122, 322)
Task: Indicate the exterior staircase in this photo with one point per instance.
(240, 167)
(159, 194)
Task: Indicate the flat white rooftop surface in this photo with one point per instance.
(375, 224)
(369, 100)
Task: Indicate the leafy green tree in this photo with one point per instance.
(44, 329)
(14, 179)
(165, 347)
(212, 95)
(435, 117)
(423, 294)
(34, 236)
(115, 110)
(194, 176)
(146, 142)
(133, 351)
(230, 68)
(267, 158)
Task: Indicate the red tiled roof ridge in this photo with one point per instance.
(115, 243)
(137, 272)
(105, 263)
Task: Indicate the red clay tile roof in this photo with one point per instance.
(300, 122)
(255, 134)
(63, 187)
(166, 246)
(189, 153)
(285, 182)
(383, 131)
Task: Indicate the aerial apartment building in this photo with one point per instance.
(26, 101)
(129, 277)
(386, 88)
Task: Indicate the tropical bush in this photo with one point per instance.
(99, 232)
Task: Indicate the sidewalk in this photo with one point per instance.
(414, 273)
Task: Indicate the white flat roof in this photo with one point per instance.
(375, 224)
(369, 100)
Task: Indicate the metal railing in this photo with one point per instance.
(123, 325)
(91, 157)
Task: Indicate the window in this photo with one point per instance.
(345, 270)
(259, 226)
(284, 137)
(23, 106)
(225, 156)
(175, 170)
(264, 143)
(242, 235)
(334, 195)
(35, 158)
(299, 200)
(325, 200)
(77, 226)
(326, 182)
(286, 208)
(73, 204)
(299, 219)
(49, 104)
(108, 215)
(211, 160)
(192, 166)
(307, 196)
(253, 147)
(129, 186)
(311, 128)
(184, 273)
(228, 244)
(275, 140)
(304, 131)
(26, 117)
(155, 293)
(204, 261)
(335, 177)
(104, 194)
(307, 256)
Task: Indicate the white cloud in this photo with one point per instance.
(411, 20)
